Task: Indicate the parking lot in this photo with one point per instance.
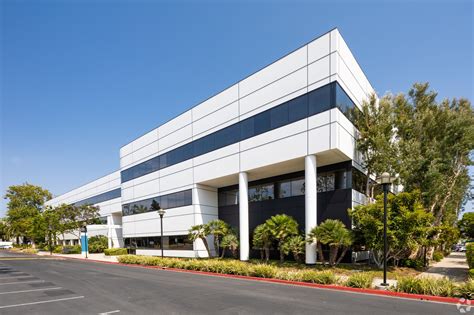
(31, 284)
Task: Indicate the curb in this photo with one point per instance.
(410, 296)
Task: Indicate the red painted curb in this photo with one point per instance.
(411, 296)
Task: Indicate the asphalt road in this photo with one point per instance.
(35, 285)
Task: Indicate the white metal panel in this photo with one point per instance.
(275, 71)
(175, 124)
(319, 139)
(270, 136)
(145, 152)
(318, 70)
(216, 118)
(274, 91)
(175, 138)
(318, 48)
(176, 180)
(216, 102)
(218, 168)
(271, 153)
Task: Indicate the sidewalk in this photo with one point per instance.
(99, 257)
(453, 266)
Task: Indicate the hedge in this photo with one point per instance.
(470, 254)
(424, 285)
(115, 251)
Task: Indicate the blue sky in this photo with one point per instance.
(79, 79)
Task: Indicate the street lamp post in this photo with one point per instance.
(385, 180)
(50, 237)
(161, 212)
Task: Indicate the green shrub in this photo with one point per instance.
(470, 254)
(438, 255)
(426, 285)
(360, 280)
(97, 244)
(263, 271)
(471, 274)
(465, 290)
(413, 263)
(57, 249)
(29, 251)
(115, 251)
(71, 249)
(320, 277)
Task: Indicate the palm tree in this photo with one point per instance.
(335, 234)
(294, 245)
(262, 239)
(282, 227)
(200, 231)
(230, 241)
(218, 229)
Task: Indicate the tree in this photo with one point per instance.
(4, 230)
(25, 202)
(262, 240)
(435, 140)
(200, 231)
(218, 229)
(230, 241)
(74, 217)
(375, 138)
(408, 225)
(334, 234)
(282, 227)
(49, 222)
(466, 225)
(295, 245)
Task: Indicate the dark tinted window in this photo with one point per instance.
(344, 103)
(116, 193)
(319, 100)
(279, 116)
(312, 103)
(298, 108)
(262, 122)
(177, 199)
(247, 129)
(174, 242)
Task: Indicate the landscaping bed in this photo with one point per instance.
(317, 275)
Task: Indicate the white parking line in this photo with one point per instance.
(42, 302)
(111, 312)
(33, 290)
(33, 281)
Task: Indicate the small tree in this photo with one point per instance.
(50, 222)
(262, 240)
(294, 245)
(335, 234)
(74, 217)
(218, 229)
(466, 225)
(200, 231)
(282, 227)
(230, 241)
(408, 223)
(98, 243)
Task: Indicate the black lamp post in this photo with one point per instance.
(161, 212)
(385, 180)
(50, 236)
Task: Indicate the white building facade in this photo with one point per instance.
(279, 141)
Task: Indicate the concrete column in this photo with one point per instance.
(311, 204)
(244, 216)
(110, 223)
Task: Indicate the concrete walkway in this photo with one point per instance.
(453, 266)
(100, 257)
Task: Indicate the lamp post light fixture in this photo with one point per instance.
(385, 180)
(161, 212)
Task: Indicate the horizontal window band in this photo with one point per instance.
(317, 101)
